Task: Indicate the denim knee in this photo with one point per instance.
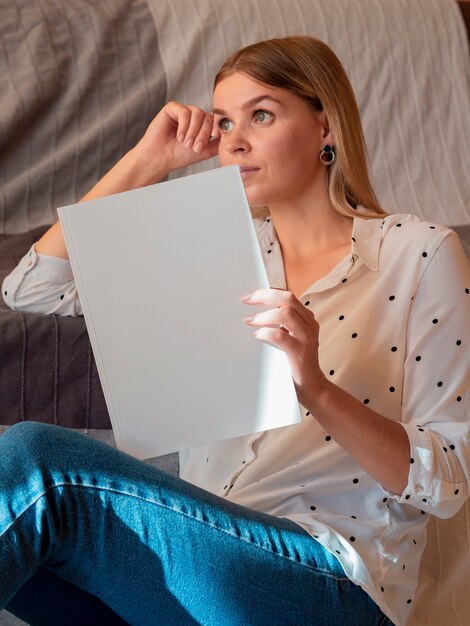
(28, 433)
(29, 441)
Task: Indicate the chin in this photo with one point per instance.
(255, 199)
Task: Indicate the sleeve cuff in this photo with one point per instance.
(429, 488)
(42, 284)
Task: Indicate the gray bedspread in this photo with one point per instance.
(47, 370)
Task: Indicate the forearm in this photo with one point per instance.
(131, 172)
(378, 444)
(178, 136)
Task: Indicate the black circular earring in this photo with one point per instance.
(327, 155)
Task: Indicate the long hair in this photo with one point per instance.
(308, 68)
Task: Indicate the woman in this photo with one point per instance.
(318, 523)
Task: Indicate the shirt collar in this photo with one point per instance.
(366, 238)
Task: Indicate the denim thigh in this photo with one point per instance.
(153, 548)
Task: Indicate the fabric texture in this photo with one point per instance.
(47, 369)
(79, 83)
(151, 547)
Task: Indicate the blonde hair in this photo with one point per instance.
(308, 68)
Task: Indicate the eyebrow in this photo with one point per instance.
(249, 104)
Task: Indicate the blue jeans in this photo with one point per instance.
(89, 535)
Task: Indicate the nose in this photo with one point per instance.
(237, 141)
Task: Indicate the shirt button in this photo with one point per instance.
(419, 488)
(30, 263)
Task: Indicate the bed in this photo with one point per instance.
(79, 83)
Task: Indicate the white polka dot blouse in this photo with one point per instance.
(395, 333)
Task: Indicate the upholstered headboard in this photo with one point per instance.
(80, 81)
(464, 6)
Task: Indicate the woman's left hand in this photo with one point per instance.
(291, 327)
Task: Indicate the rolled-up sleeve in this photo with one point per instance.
(42, 284)
(436, 392)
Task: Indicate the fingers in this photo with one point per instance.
(289, 319)
(280, 323)
(179, 136)
(279, 298)
(273, 297)
(292, 328)
(284, 318)
(277, 337)
(194, 126)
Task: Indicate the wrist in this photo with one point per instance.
(133, 171)
(318, 395)
(143, 168)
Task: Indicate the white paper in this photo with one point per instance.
(160, 272)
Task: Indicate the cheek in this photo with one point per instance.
(299, 152)
(288, 151)
(223, 156)
(223, 153)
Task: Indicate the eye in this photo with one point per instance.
(224, 124)
(262, 116)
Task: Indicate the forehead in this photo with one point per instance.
(237, 89)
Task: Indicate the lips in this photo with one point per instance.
(247, 170)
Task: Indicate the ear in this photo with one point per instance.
(327, 134)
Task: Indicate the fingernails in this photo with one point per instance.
(247, 298)
(248, 319)
(180, 138)
(189, 142)
(198, 146)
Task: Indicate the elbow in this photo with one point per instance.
(8, 294)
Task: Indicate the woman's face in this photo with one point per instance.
(273, 135)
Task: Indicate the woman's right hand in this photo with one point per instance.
(180, 135)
